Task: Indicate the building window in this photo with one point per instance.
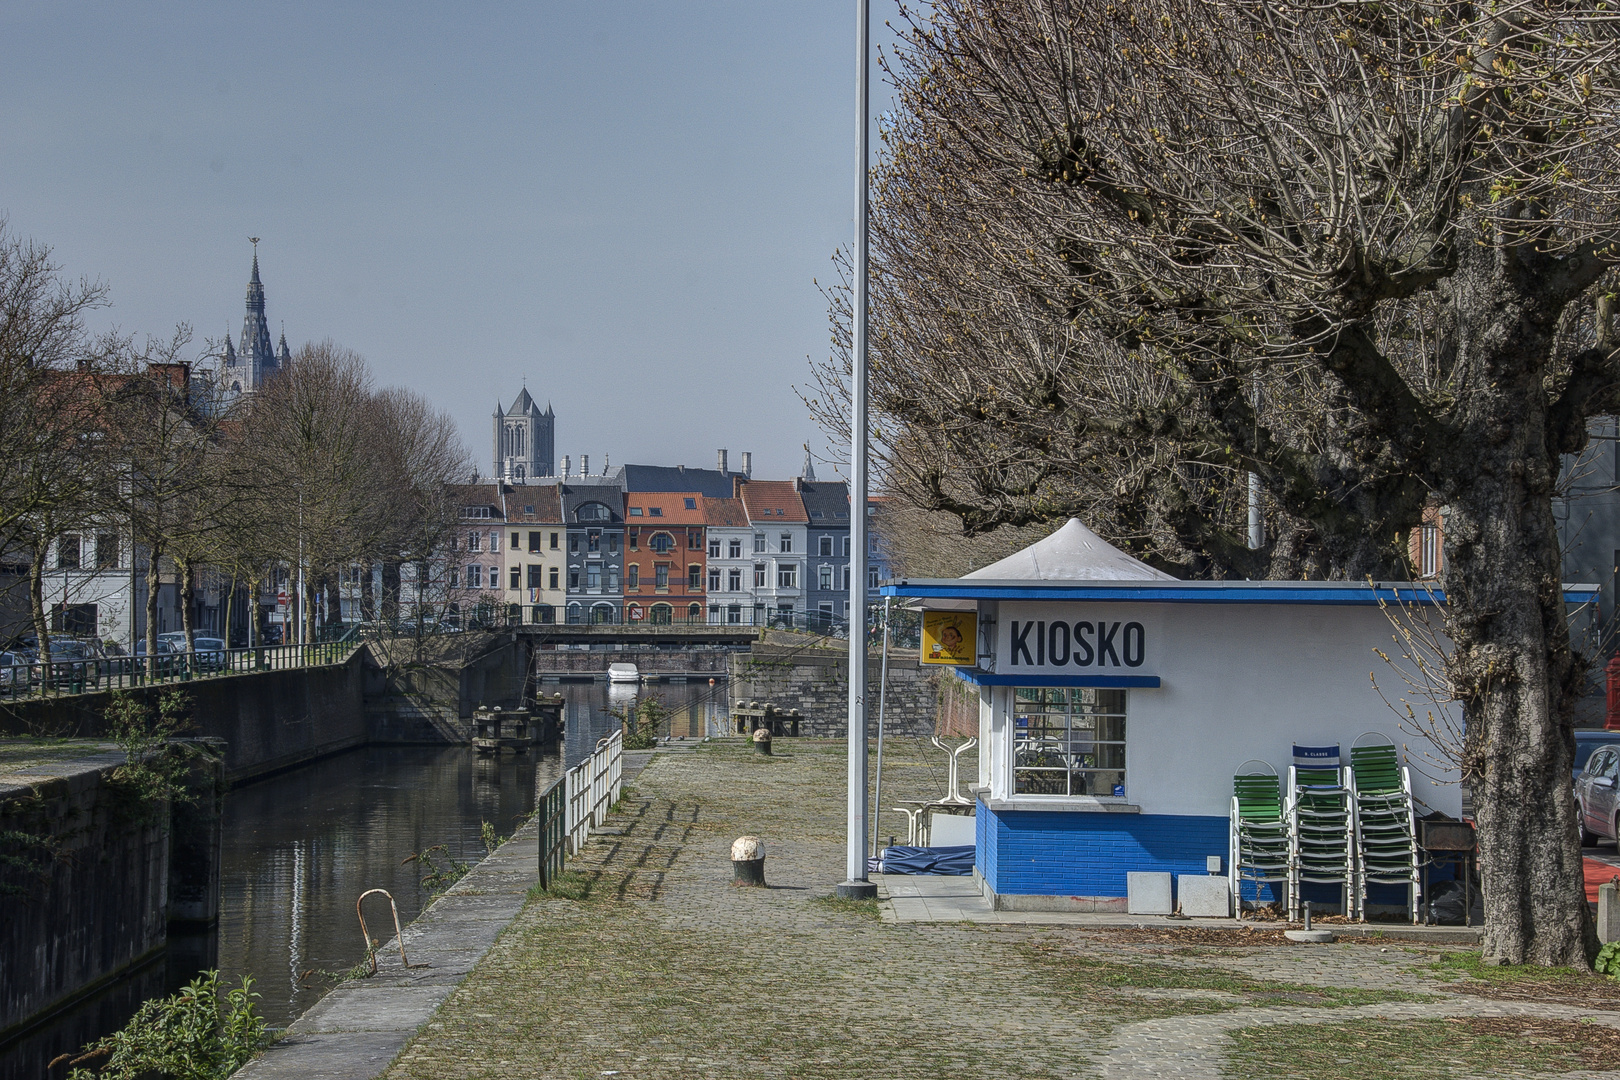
(661, 542)
(714, 547)
(536, 576)
(613, 543)
(846, 547)
(635, 511)
(694, 578)
(475, 576)
(545, 613)
(1429, 551)
(734, 614)
(573, 579)
(787, 576)
(573, 543)
(694, 613)
(475, 541)
(1068, 741)
(613, 579)
(759, 575)
(515, 578)
(824, 576)
(734, 548)
(825, 547)
(553, 577)
(455, 578)
(655, 511)
(714, 579)
(661, 576)
(593, 575)
(516, 543)
(872, 578)
(534, 541)
(846, 579)
(635, 540)
(632, 576)
(872, 543)
(593, 512)
(759, 543)
(691, 504)
(734, 580)
(694, 539)
(787, 542)
(528, 511)
(74, 620)
(494, 540)
(593, 540)
(494, 577)
(553, 541)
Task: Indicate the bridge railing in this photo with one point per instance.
(91, 674)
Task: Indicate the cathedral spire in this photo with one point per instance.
(809, 470)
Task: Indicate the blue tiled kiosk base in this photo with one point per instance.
(1061, 860)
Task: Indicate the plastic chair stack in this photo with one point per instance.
(1320, 826)
(1385, 823)
(1259, 849)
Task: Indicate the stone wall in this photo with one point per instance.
(92, 878)
(816, 682)
(270, 720)
(647, 661)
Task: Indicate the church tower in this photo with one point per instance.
(524, 439)
(255, 358)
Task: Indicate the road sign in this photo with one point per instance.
(281, 600)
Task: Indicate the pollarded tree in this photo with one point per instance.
(1130, 253)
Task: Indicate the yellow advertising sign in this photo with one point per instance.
(950, 637)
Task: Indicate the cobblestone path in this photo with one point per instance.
(661, 968)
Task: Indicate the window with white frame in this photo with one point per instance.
(759, 543)
(824, 576)
(734, 548)
(787, 543)
(714, 547)
(826, 543)
(787, 576)
(1428, 551)
(714, 579)
(494, 577)
(475, 576)
(475, 541)
(1069, 741)
(759, 575)
(734, 580)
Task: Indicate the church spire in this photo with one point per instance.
(809, 470)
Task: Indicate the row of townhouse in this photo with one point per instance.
(653, 544)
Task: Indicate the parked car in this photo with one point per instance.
(1595, 790)
(1588, 740)
(210, 653)
(16, 671)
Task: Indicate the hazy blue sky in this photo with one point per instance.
(625, 203)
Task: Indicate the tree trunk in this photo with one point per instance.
(230, 609)
(368, 597)
(390, 586)
(154, 585)
(188, 598)
(36, 601)
(1515, 673)
(334, 600)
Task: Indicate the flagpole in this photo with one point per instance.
(856, 885)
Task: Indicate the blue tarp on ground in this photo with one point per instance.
(956, 861)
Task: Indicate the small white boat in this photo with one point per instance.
(623, 673)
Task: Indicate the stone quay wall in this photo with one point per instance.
(816, 682)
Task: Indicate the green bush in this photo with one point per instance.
(193, 1035)
(1608, 960)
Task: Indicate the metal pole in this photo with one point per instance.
(883, 696)
(855, 885)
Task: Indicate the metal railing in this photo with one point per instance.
(593, 786)
(58, 677)
(577, 803)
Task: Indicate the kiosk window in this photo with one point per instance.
(1068, 741)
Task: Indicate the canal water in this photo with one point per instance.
(299, 848)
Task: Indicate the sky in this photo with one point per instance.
(624, 206)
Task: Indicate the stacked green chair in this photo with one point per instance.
(1258, 853)
(1385, 822)
(1320, 826)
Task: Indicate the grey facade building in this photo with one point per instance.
(525, 440)
(249, 364)
(593, 514)
(827, 541)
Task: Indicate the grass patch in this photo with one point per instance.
(1086, 976)
(1373, 1049)
(1527, 982)
(571, 885)
(866, 908)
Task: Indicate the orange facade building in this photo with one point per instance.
(664, 561)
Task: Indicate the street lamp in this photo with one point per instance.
(856, 886)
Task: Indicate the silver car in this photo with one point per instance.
(1595, 790)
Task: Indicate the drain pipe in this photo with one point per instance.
(883, 693)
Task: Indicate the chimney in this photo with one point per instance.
(584, 465)
(606, 468)
(723, 469)
(748, 464)
(565, 464)
(798, 483)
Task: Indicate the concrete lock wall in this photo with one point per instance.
(816, 682)
(92, 880)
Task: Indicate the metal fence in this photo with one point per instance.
(579, 802)
(58, 677)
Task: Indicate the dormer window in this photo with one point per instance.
(655, 511)
(592, 512)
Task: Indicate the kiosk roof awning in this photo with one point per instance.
(1339, 593)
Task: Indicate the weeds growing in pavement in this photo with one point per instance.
(193, 1035)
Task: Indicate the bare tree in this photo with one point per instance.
(1129, 256)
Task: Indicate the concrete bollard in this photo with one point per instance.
(762, 741)
(748, 861)
(1608, 915)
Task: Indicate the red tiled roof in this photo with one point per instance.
(672, 503)
(725, 512)
(774, 500)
